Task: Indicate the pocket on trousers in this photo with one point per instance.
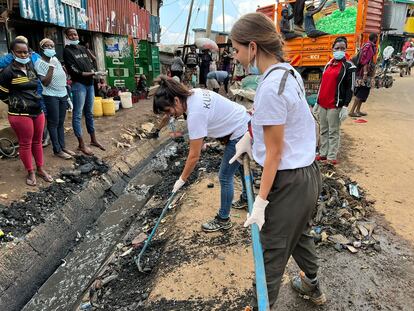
(273, 242)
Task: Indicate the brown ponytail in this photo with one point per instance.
(168, 89)
(257, 27)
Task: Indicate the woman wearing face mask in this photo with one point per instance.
(55, 95)
(208, 114)
(18, 87)
(335, 93)
(284, 143)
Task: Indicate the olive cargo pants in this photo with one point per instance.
(292, 201)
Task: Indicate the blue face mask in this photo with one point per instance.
(49, 52)
(338, 55)
(73, 42)
(253, 69)
(22, 61)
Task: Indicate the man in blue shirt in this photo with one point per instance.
(216, 78)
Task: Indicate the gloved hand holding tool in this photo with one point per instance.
(243, 146)
(257, 215)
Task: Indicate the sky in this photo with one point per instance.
(174, 14)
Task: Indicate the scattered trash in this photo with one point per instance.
(59, 181)
(210, 185)
(86, 168)
(353, 190)
(340, 217)
(127, 252)
(352, 249)
(86, 306)
(147, 127)
(357, 244)
(139, 240)
(360, 121)
(338, 239)
(1, 233)
(4, 196)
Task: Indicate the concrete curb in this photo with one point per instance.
(26, 265)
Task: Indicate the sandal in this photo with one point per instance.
(362, 114)
(30, 182)
(354, 115)
(63, 155)
(46, 177)
(69, 152)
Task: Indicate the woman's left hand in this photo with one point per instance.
(343, 114)
(258, 213)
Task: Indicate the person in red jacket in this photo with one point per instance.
(335, 93)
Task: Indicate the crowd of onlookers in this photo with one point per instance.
(39, 90)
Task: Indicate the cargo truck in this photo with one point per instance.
(310, 55)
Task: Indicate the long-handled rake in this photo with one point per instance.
(137, 259)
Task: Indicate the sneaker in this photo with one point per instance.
(217, 224)
(310, 291)
(240, 203)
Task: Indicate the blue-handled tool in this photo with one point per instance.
(261, 285)
(137, 259)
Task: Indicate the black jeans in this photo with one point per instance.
(56, 113)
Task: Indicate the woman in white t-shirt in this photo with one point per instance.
(284, 143)
(208, 114)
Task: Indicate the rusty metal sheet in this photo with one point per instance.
(67, 13)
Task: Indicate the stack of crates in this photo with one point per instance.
(147, 61)
(143, 61)
(155, 61)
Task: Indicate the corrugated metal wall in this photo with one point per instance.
(154, 35)
(121, 17)
(55, 12)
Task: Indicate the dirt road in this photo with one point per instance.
(381, 154)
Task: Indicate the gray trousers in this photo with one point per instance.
(329, 132)
(292, 201)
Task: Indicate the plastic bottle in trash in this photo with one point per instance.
(171, 124)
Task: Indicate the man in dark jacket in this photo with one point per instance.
(79, 66)
(365, 72)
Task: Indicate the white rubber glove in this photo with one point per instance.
(258, 213)
(343, 114)
(70, 104)
(178, 184)
(243, 146)
(315, 109)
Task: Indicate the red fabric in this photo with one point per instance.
(29, 132)
(329, 84)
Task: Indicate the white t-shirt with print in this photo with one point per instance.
(212, 115)
(289, 109)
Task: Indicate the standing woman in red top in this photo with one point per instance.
(335, 93)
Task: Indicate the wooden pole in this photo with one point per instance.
(209, 18)
(224, 24)
(187, 27)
